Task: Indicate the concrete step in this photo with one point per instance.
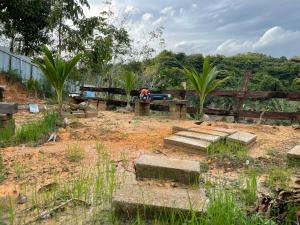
(149, 201)
(243, 138)
(187, 143)
(163, 168)
(210, 132)
(199, 136)
(294, 153)
(225, 130)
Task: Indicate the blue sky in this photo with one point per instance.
(216, 26)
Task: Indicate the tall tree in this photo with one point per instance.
(25, 24)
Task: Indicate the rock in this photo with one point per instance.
(206, 117)
(294, 152)
(21, 199)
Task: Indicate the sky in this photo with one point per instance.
(224, 27)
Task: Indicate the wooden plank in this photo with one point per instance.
(8, 108)
(253, 95)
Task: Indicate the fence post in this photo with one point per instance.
(241, 95)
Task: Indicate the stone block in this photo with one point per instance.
(163, 168)
(208, 131)
(187, 143)
(130, 200)
(294, 152)
(243, 138)
(199, 136)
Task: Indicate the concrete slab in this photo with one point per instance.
(8, 108)
(148, 201)
(187, 143)
(243, 138)
(208, 131)
(176, 129)
(294, 152)
(225, 130)
(163, 168)
(199, 136)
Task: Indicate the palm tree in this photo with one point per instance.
(56, 70)
(127, 84)
(204, 83)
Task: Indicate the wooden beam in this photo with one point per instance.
(8, 108)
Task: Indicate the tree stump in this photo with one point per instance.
(142, 108)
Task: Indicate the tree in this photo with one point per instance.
(56, 70)
(127, 83)
(25, 24)
(204, 83)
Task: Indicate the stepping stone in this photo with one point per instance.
(187, 143)
(294, 152)
(225, 130)
(211, 132)
(158, 167)
(176, 129)
(204, 137)
(243, 138)
(148, 201)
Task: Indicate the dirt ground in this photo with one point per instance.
(124, 135)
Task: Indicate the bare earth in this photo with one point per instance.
(122, 134)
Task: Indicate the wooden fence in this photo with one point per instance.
(239, 95)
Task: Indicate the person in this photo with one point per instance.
(144, 94)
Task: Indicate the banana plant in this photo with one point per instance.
(56, 70)
(205, 82)
(128, 83)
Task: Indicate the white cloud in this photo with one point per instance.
(130, 9)
(194, 5)
(276, 41)
(147, 17)
(168, 11)
(159, 21)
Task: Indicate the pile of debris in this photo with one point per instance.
(81, 110)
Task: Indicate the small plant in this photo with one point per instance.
(204, 83)
(56, 70)
(32, 85)
(18, 168)
(128, 83)
(2, 168)
(248, 190)
(74, 152)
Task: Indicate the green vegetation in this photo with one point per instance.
(204, 83)
(57, 70)
(32, 132)
(37, 131)
(128, 83)
(74, 152)
(2, 168)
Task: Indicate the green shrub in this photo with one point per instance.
(2, 168)
(7, 133)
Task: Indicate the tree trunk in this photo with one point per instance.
(201, 108)
(128, 102)
(59, 102)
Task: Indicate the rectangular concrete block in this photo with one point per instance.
(243, 138)
(129, 200)
(176, 129)
(294, 152)
(208, 131)
(163, 168)
(199, 136)
(8, 108)
(186, 143)
(225, 130)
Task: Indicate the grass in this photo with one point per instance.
(7, 133)
(279, 177)
(2, 168)
(228, 154)
(74, 152)
(37, 131)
